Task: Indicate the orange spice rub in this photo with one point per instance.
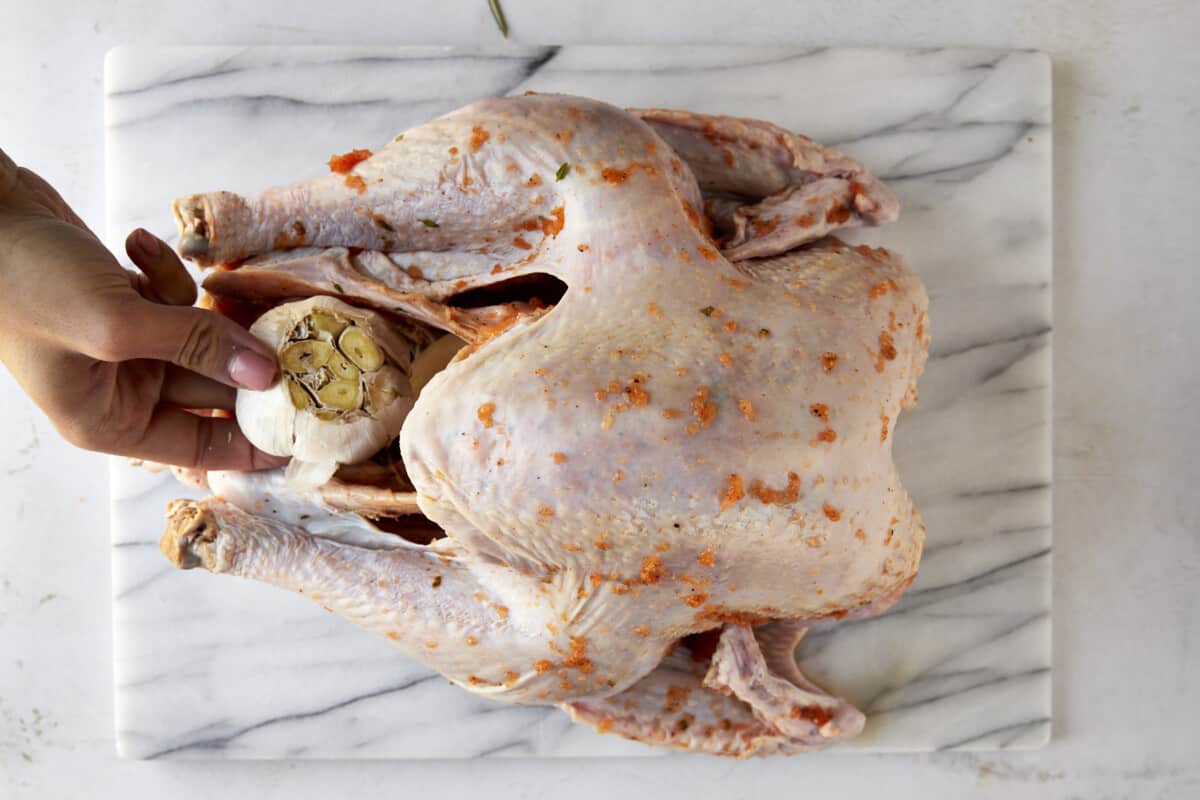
(717, 613)
(675, 698)
(577, 658)
(887, 350)
(734, 491)
(763, 227)
(815, 714)
(837, 214)
(652, 570)
(704, 411)
(828, 435)
(347, 161)
(638, 396)
(484, 413)
(553, 225)
(618, 176)
(478, 137)
(780, 497)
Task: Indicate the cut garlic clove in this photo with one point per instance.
(306, 356)
(299, 395)
(342, 369)
(381, 393)
(346, 395)
(357, 346)
(327, 323)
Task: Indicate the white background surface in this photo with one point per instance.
(1127, 538)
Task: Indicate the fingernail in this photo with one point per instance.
(147, 242)
(251, 371)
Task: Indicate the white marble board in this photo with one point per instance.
(217, 667)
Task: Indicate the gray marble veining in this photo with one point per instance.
(216, 667)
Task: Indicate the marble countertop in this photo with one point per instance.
(1127, 548)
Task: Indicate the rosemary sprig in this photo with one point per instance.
(498, 15)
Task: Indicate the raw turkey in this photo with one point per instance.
(660, 446)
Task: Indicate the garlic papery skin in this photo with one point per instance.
(432, 360)
(330, 405)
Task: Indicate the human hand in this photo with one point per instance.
(117, 359)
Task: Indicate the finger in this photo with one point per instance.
(193, 338)
(141, 284)
(164, 271)
(188, 440)
(186, 389)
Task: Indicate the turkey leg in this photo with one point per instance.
(481, 625)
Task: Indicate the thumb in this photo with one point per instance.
(200, 340)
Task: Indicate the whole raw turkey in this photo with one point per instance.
(666, 448)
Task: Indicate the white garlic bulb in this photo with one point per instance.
(343, 390)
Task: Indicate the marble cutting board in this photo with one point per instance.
(211, 666)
